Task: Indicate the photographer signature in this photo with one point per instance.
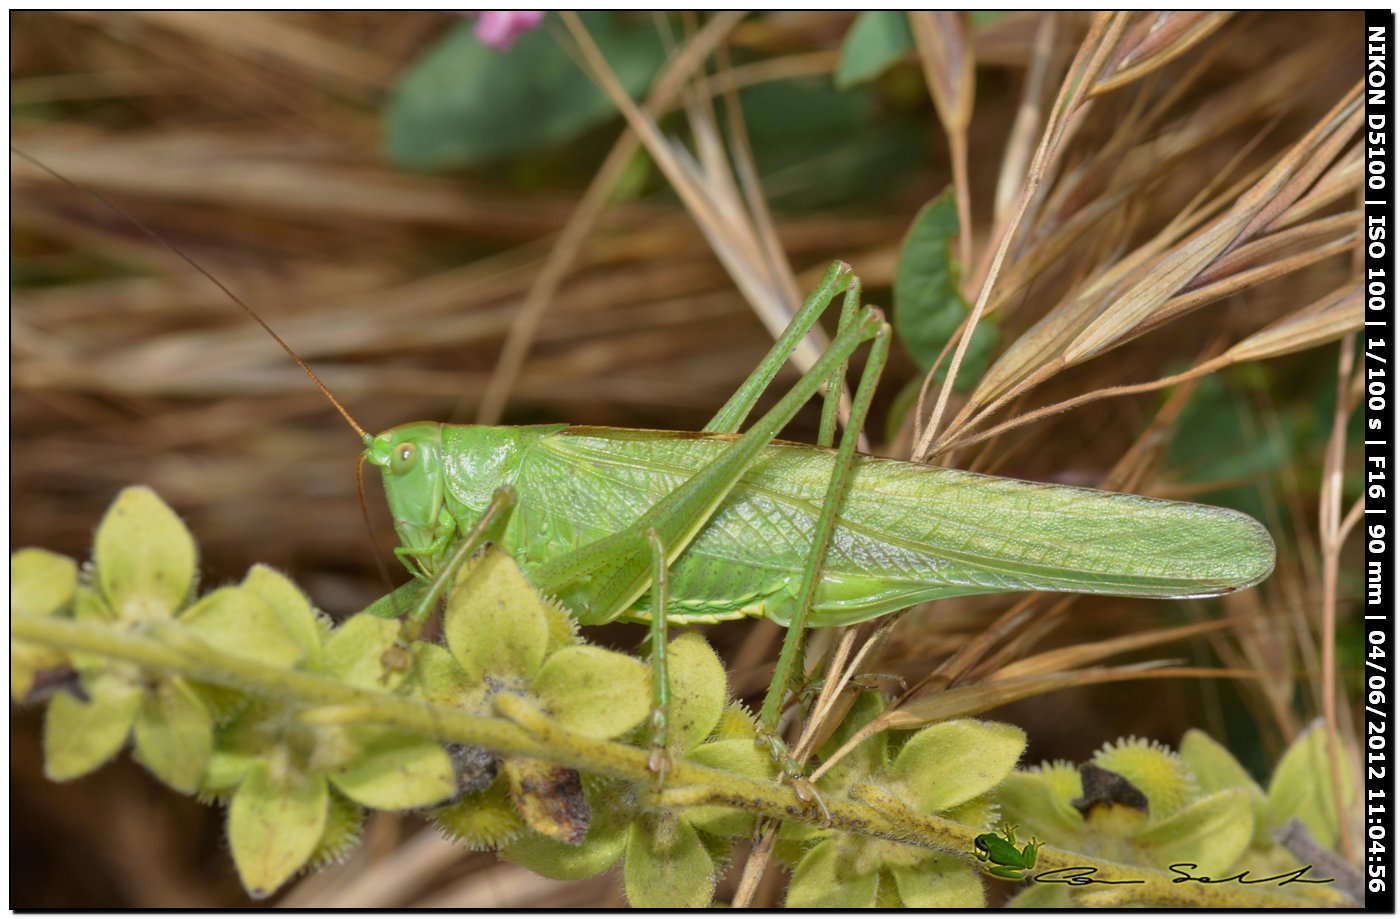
(1081, 875)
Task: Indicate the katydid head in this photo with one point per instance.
(410, 457)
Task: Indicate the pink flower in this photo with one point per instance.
(499, 28)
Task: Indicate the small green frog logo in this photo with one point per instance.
(1006, 861)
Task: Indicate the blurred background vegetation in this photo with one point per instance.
(453, 232)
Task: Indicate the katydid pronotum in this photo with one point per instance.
(668, 527)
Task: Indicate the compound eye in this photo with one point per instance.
(403, 459)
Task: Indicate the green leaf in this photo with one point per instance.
(292, 608)
(1301, 786)
(145, 557)
(41, 582)
(1031, 801)
(225, 768)
(496, 623)
(792, 124)
(236, 621)
(80, 736)
(667, 867)
(600, 849)
(736, 723)
(354, 652)
(928, 305)
(949, 763)
(1042, 896)
(699, 690)
(344, 821)
(461, 103)
(275, 825)
(940, 882)
(874, 43)
(594, 692)
(1216, 769)
(27, 662)
(484, 819)
(981, 811)
(821, 881)
(396, 770)
(90, 608)
(174, 734)
(1212, 833)
(439, 679)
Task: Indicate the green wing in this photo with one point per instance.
(906, 532)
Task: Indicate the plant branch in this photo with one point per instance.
(875, 813)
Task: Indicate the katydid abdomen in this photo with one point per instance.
(906, 532)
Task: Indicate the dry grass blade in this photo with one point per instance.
(1091, 53)
(249, 172)
(1325, 320)
(1155, 41)
(263, 39)
(1062, 659)
(963, 701)
(711, 202)
(1258, 206)
(1157, 282)
(945, 49)
(1030, 114)
(562, 255)
(1333, 530)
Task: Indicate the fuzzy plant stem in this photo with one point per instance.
(525, 732)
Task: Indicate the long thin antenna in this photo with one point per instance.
(364, 435)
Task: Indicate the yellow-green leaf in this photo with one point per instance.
(600, 849)
(80, 736)
(1216, 769)
(823, 881)
(484, 819)
(1302, 787)
(41, 582)
(27, 663)
(174, 734)
(274, 826)
(292, 608)
(344, 820)
(396, 771)
(145, 557)
(354, 652)
(949, 763)
(1031, 800)
(439, 679)
(940, 882)
(496, 621)
(667, 867)
(1211, 834)
(594, 692)
(699, 690)
(235, 620)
